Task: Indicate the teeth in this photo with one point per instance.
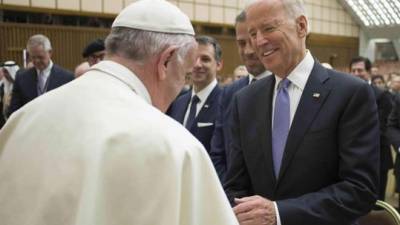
(268, 53)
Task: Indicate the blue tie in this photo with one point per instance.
(281, 124)
(192, 112)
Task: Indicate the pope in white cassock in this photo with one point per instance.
(100, 151)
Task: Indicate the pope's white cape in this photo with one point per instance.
(95, 152)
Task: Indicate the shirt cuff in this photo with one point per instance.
(278, 218)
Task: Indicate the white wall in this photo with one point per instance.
(329, 17)
(326, 16)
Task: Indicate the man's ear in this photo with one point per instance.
(165, 57)
(220, 64)
(302, 26)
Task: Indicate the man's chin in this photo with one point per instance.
(197, 79)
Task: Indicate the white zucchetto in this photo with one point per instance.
(154, 15)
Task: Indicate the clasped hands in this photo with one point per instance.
(255, 210)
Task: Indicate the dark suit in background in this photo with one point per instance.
(393, 133)
(205, 88)
(329, 171)
(221, 138)
(25, 85)
(384, 103)
(206, 117)
(361, 67)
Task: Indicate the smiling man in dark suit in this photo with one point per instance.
(197, 109)
(41, 78)
(305, 140)
(220, 154)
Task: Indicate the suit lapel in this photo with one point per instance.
(263, 115)
(51, 81)
(181, 108)
(245, 81)
(33, 92)
(312, 98)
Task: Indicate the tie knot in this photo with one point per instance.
(253, 80)
(195, 99)
(284, 84)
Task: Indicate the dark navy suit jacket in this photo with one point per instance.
(25, 85)
(393, 133)
(219, 152)
(384, 103)
(329, 171)
(207, 114)
(394, 123)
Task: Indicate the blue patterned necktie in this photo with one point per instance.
(281, 124)
(192, 111)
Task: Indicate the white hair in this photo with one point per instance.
(294, 8)
(39, 40)
(141, 45)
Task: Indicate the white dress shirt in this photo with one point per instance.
(203, 95)
(46, 71)
(298, 79)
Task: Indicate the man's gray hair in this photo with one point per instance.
(39, 40)
(140, 45)
(294, 8)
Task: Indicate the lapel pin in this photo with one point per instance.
(316, 95)
(206, 106)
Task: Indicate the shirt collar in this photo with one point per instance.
(47, 70)
(264, 74)
(125, 75)
(301, 72)
(203, 94)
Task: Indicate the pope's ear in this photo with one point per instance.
(165, 58)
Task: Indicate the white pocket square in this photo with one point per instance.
(204, 124)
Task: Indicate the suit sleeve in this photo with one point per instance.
(16, 101)
(354, 193)
(393, 131)
(217, 151)
(384, 102)
(237, 182)
(384, 109)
